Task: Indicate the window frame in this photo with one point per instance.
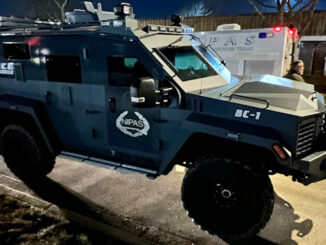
(50, 79)
(110, 72)
(172, 66)
(27, 49)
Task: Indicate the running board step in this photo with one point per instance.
(107, 164)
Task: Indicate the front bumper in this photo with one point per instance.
(313, 164)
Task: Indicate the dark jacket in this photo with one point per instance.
(293, 75)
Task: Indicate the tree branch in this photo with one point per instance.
(311, 13)
(265, 5)
(311, 2)
(256, 9)
(46, 12)
(296, 4)
(57, 3)
(281, 11)
(64, 4)
(61, 7)
(290, 8)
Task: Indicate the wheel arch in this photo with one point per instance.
(29, 112)
(201, 143)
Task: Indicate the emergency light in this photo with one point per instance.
(123, 9)
(277, 29)
(171, 29)
(292, 32)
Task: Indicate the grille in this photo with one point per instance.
(306, 136)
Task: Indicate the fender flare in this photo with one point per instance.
(191, 127)
(17, 106)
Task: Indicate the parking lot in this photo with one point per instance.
(299, 215)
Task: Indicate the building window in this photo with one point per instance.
(123, 71)
(64, 69)
(16, 51)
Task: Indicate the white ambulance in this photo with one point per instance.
(253, 51)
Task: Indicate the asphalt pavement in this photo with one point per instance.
(299, 215)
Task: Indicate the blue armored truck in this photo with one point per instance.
(102, 90)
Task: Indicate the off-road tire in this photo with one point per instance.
(206, 196)
(24, 152)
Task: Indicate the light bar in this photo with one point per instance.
(171, 29)
(153, 28)
(188, 30)
(266, 35)
(163, 28)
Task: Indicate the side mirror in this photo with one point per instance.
(142, 93)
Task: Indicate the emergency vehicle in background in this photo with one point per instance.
(252, 52)
(312, 50)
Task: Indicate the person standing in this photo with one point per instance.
(296, 72)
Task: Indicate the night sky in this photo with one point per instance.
(148, 8)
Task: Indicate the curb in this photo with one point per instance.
(132, 233)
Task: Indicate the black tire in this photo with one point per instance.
(227, 198)
(24, 152)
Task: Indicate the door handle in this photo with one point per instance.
(92, 111)
(112, 104)
(48, 97)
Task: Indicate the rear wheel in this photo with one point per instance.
(227, 198)
(24, 152)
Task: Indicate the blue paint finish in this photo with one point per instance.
(86, 116)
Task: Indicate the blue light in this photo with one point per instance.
(188, 30)
(262, 35)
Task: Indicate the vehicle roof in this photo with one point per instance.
(68, 29)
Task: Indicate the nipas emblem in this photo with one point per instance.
(134, 126)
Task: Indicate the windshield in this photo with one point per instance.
(188, 63)
(214, 62)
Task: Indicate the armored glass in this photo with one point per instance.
(188, 63)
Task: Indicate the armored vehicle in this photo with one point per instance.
(102, 90)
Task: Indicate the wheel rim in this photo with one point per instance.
(224, 196)
(227, 199)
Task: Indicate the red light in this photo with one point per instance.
(292, 32)
(34, 41)
(277, 29)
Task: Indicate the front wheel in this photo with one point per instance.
(24, 152)
(227, 198)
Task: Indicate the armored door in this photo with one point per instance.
(134, 133)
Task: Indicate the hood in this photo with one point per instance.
(275, 93)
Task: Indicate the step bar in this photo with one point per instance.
(107, 164)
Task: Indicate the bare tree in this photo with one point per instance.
(55, 9)
(61, 6)
(196, 9)
(288, 11)
(50, 9)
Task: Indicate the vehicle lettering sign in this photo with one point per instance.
(7, 68)
(133, 125)
(247, 114)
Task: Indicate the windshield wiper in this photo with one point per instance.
(211, 48)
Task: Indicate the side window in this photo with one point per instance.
(16, 51)
(123, 71)
(64, 69)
